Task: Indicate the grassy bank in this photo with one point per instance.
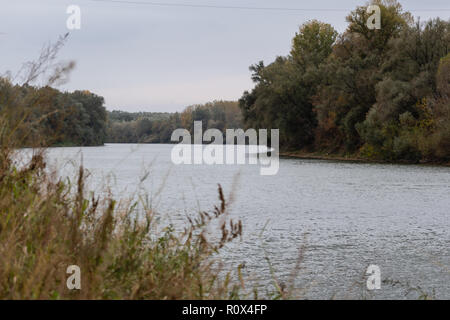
(351, 158)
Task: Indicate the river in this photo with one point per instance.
(338, 217)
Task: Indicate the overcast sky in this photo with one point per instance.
(163, 58)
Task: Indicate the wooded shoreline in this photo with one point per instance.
(353, 158)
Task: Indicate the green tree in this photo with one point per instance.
(282, 97)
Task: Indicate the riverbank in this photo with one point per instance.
(351, 158)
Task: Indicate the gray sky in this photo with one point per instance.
(163, 58)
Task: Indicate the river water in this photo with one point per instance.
(333, 218)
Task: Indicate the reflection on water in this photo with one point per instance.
(346, 215)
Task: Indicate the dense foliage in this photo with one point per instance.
(48, 116)
(124, 116)
(147, 127)
(380, 94)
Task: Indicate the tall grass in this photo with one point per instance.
(47, 225)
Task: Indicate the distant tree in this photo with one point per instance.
(145, 127)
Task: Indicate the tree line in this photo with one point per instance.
(380, 94)
(150, 127)
(43, 116)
